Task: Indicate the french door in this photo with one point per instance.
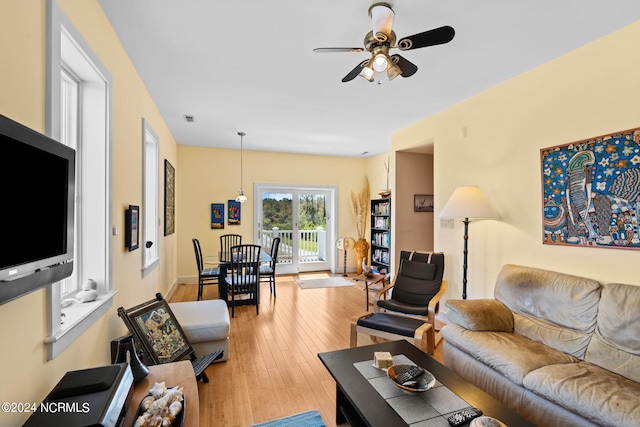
(303, 218)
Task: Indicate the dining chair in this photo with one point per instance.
(227, 241)
(268, 270)
(243, 277)
(206, 276)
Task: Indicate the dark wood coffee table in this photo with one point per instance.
(358, 403)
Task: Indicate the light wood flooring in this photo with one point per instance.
(273, 368)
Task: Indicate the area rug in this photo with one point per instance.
(303, 419)
(329, 282)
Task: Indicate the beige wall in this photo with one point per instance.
(25, 373)
(589, 92)
(212, 175)
(414, 175)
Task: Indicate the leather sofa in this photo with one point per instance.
(560, 350)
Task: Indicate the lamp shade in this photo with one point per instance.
(469, 202)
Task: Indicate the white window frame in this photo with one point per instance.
(150, 217)
(67, 48)
(69, 129)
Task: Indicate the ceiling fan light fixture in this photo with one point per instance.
(367, 72)
(380, 62)
(382, 19)
(393, 71)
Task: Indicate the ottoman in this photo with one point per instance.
(393, 327)
(206, 325)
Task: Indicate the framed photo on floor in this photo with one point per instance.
(156, 328)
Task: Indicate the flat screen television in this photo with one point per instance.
(37, 183)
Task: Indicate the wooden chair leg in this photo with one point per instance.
(424, 338)
(354, 335)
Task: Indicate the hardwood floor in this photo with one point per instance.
(273, 368)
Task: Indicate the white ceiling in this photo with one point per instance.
(249, 66)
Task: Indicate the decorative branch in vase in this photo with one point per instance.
(385, 190)
(360, 209)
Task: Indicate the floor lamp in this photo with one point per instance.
(468, 203)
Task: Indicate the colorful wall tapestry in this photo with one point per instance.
(591, 192)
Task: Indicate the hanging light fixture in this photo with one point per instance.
(241, 197)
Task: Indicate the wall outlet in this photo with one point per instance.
(446, 222)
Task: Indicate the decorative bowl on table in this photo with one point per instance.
(485, 421)
(162, 406)
(422, 382)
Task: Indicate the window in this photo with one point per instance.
(150, 209)
(78, 114)
(69, 122)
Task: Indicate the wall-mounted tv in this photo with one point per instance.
(37, 183)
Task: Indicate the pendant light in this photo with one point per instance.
(241, 197)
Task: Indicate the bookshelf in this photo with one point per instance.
(380, 235)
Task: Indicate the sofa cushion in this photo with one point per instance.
(513, 355)
(597, 394)
(480, 315)
(616, 343)
(553, 308)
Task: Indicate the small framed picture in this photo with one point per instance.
(132, 228)
(154, 325)
(169, 198)
(217, 216)
(234, 212)
(423, 202)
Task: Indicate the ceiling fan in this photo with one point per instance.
(379, 41)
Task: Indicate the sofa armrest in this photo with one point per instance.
(480, 315)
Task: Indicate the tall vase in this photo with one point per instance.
(362, 250)
(127, 354)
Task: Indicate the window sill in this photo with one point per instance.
(150, 266)
(78, 318)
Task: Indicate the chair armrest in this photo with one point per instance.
(434, 304)
(381, 294)
(480, 315)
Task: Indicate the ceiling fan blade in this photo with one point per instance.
(408, 68)
(338, 49)
(355, 72)
(433, 37)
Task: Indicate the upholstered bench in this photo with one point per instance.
(393, 327)
(206, 325)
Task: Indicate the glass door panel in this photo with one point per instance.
(301, 217)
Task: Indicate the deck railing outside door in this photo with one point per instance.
(312, 244)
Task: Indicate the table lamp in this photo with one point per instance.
(468, 203)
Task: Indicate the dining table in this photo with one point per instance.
(223, 260)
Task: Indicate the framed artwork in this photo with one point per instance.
(423, 202)
(217, 216)
(156, 328)
(169, 198)
(591, 192)
(234, 212)
(132, 227)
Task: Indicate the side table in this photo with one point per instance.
(172, 374)
(371, 280)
